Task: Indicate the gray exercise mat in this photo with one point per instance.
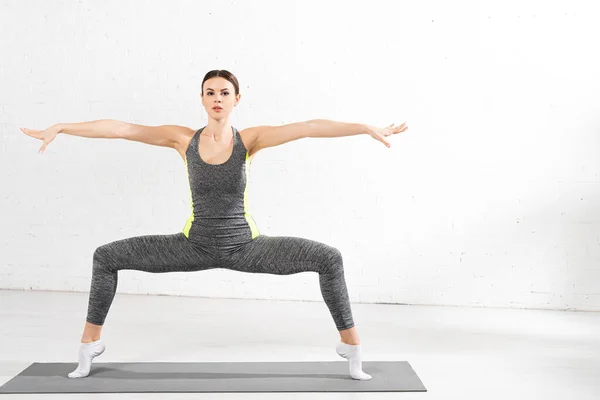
(207, 377)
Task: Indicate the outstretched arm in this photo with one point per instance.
(269, 136)
(325, 128)
(328, 128)
(162, 135)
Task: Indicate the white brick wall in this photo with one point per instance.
(490, 199)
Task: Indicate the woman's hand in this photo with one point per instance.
(47, 135)
(381, 133)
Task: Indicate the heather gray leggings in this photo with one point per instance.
(280, 255)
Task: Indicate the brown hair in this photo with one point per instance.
(223, 74)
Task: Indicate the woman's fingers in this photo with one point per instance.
(396, 129)
(400, 128)
(32, 132)
(46, 136)
(43, 148)
(382, 140)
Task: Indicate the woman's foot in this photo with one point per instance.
(87, 352)
(353, 353)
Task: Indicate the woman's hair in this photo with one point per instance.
(223, 74)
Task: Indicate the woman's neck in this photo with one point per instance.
(217, 130)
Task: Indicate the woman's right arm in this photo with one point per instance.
(163, 135)
(104, 128)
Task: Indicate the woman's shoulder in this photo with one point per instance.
(250, 136)
(182, 137)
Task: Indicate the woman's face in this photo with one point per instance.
(219, 92)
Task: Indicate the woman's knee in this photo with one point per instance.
(334, 259)
(102, 256)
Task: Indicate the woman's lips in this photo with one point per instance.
(217, 109)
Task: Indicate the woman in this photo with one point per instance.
(220, 233)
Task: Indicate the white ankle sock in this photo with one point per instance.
(353, 353)
(87, 352)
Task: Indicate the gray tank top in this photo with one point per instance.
(219, 193)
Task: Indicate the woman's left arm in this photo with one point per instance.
(269, 136)
(328, 128)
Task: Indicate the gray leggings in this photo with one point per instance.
(280, 255)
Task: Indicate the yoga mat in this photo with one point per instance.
(208, 377)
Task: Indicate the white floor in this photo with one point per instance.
(459, 353)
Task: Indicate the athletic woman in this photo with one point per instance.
(220, 232)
